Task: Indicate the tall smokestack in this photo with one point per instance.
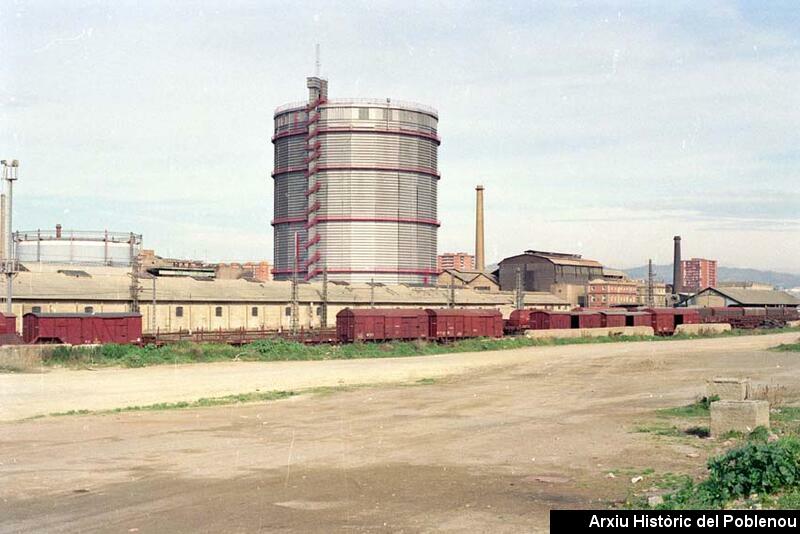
(58, 231)
(677, 280)
(480, 264)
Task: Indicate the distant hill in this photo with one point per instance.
(725, 274)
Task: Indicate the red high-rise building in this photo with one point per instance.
(698, 273)
(455, 260)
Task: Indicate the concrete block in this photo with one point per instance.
(702, 329)
(590, 332)
(793, 324)
(728, 388)
(738, 416)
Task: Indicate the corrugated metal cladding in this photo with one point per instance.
(357, 182)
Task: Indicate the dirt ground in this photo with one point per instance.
(483, 448)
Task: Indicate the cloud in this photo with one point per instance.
(584, 122)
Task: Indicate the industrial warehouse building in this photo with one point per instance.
(355, 189)
(192, 303)
(730, 296)
(564, 275)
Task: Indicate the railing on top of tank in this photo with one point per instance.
(77, 235)
(291, 105)
(387, 102)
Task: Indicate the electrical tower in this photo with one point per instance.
(135, 287)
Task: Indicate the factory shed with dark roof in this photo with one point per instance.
(542, 270)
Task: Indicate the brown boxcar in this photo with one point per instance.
(779, 316)
(549, 320)
(664, 320)
(519, 320)
(8, 330)
(371, 324)
(8, 324)
(585, 319)
(82, 328)
(687, 316)
(451, 323)
(612, 318)
(638, 318)
(737, 317)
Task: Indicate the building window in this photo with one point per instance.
(36, 309)
(363, 113)
(179, 311)
(288, 311)
(254, 311)
(319, 311)
(88, 309)
(218, 311)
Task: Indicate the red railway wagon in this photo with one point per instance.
(381, 324)
(736, 316)
(8, 324)
(519, 320)
(549, 320)
(614, 318)
(453, 323)
(82, 328)
(8, 330)
(586, 319)
(664, 320)
(638, 318)
(779, 316)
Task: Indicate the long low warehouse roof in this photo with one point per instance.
(752, 297)
(107, 284)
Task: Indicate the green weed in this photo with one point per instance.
(787, 347)
(789, 500)
(200, 403)
(753, 468)
(660, 430)
(700, 408)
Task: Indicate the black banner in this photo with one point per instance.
(569, 521)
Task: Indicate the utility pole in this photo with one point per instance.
(153, 315)
(452, 297)
(10, 263)
(295, 301)
(371, 292)
(3, 226)
(324, 318)
(650, 293)
(520, 294)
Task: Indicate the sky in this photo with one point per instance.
(598, 128)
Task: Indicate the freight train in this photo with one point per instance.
(663, 320)
(362, 324)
